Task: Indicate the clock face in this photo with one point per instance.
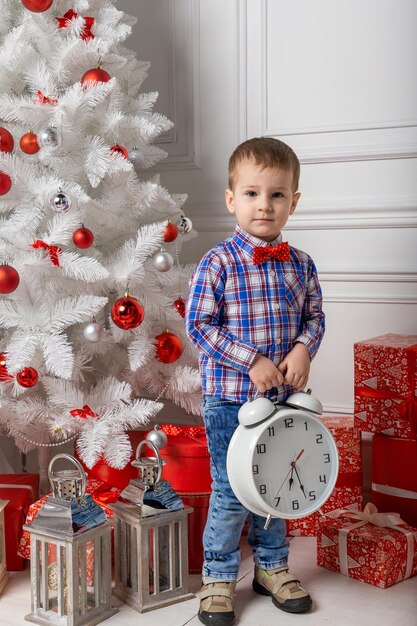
(294, 465)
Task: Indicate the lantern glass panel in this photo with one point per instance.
(53, 590)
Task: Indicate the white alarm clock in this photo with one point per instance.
(282, 460)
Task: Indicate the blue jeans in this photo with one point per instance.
(226, 515)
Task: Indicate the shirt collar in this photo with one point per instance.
(247, 242)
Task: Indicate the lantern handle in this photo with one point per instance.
(158, 457)
(78, 465)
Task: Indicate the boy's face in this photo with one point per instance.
(262, 199)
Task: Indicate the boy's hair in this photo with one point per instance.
(266, 152)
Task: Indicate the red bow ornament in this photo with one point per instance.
(280, 252)
(53, 251)
(83, 413)
(41, 99)
(71, 15)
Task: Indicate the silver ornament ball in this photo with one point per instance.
(137, 159)
(93, 332)
(157, 437)
(185, 225)
(163, 261)
(60, 202)
(49, 138)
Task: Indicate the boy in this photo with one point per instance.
(254, 312)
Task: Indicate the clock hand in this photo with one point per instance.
(299, 480)
(290, 471)
(291, 478)
(293, 464)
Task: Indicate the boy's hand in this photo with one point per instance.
(296, 366)
(264, 373)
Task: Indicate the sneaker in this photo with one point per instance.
(217, 599)
(284, 588)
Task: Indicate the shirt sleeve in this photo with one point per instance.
(313, 318)
(203, 318)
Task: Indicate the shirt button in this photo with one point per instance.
(277, 306)
(272, 272)
(278, 340)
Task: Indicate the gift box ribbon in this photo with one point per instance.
(370, 515)
(394, 491)
(408, 409)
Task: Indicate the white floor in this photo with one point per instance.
(338, 601)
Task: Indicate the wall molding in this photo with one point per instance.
(347, 146)
(361, 140)
(377, 299)
(189, 158)
(331, 409)
(328, 214)
(341, 275)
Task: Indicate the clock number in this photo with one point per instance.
(277, 501)
(306, 425)
(319, 438)
(271, 431)
(255, 469)
(295, 505)
(326, 458)
(288, 421)
(322, 478)
(262, 489)
(260, 448)
(312, 495)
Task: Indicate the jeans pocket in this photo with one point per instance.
(213, 402)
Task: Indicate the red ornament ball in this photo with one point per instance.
(5, 183)
(179, 304)
(29, 143)
(9, 279)
(168, 347)
(119, 150)
(37, 6)
(83, 238)
(4, 374)
(95, 75)
(6, 140)
(170, 232)
(127, 312)
(27, 377)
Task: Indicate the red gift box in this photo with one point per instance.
(20, 490)
(348, 489)
(394, 476)
(385, 385)
(102, 494)
(376, 548)
(188, 460)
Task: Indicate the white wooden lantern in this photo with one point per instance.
(151, 545)
(70, 570)
(3, 569)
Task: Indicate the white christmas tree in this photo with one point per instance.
(91, 306)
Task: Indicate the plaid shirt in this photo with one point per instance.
(236, 309)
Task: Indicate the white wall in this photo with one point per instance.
(337, 82)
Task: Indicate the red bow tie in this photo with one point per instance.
(281, 252)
